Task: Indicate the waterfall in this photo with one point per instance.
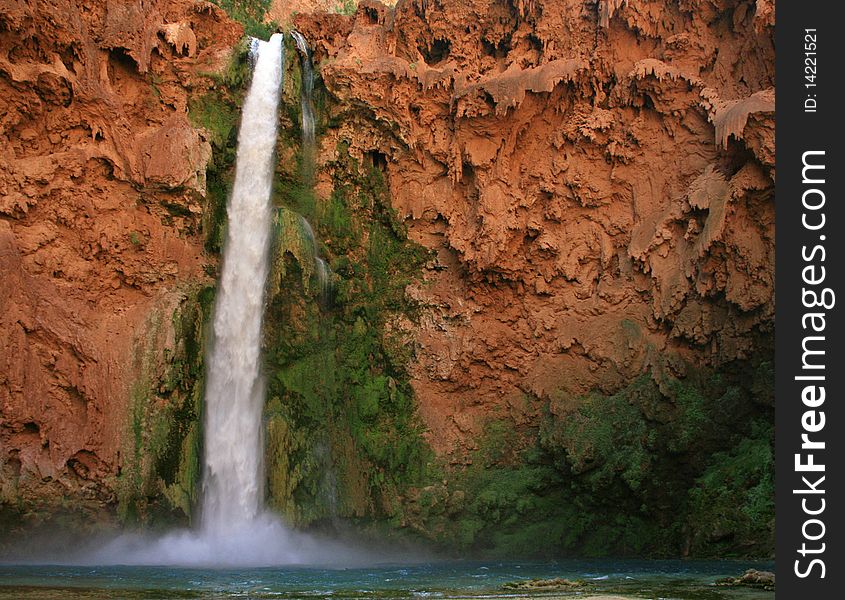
(309, 154)
(324, 278)
(306, 97)
(235, 528)
(322, 270)
(232, 487)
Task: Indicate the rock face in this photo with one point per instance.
(751, 578)
(592, 182)
(595, 179)
(103, 187)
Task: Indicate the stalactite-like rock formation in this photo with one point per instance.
(598, 188)
(102, 194)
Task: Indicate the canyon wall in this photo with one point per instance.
(103, 182)
(595, 180)
(588, 339)
(550, 225)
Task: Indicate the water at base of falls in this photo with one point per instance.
(261, 542)
(447, 580)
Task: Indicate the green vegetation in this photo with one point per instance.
(218, 112)
(642, 472)
(734, 498)
(293, 240)
(161, 467)
(250, 14)
(343, 439)
(346, 7)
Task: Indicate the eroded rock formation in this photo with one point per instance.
(596, 180)
(593, 182)
(103, 185)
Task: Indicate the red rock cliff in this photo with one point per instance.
(103, 186)
(596, 179)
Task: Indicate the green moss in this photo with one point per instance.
(653, 470)
(345, 7)
(250, 14)
(292, 241)
(609, 438)
(641, 451)
(347, 438)
(217, 117)
(161, 466)
(218, 113)
(732, 502)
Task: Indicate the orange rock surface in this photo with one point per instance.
(596, 180)
(102, 185)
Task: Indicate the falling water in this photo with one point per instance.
(322, 270)
(324, 278)
(308, 233)
(306, 96)
(309, 152)
(232, 489)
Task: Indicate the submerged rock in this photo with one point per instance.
(546, 585)
(751, 578)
